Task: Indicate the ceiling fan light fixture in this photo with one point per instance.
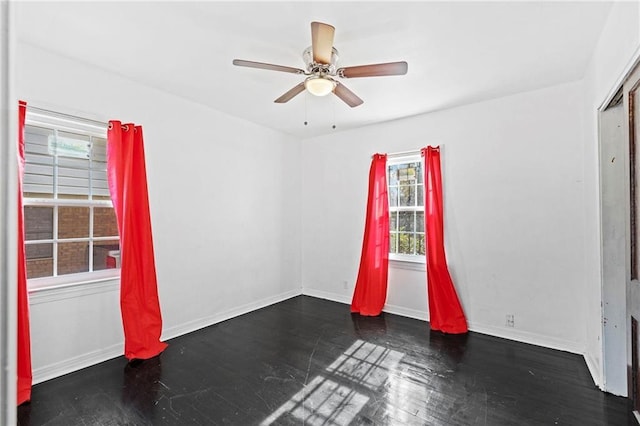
(319, 86)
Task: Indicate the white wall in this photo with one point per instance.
(616, 48)
(514, 202)
(224, 197)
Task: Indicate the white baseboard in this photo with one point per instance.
(76, 363)
(406, 312)
(346, 299)
(506, 333)
(528, 337)
(188, 327)
(327, 295)
(594, 369)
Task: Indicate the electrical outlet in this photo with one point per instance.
(510, 320)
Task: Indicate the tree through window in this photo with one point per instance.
(406, 207)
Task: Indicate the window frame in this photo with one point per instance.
(59, 122)
(401, 258)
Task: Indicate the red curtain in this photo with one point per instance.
(141, 318)
(445, 311)
(371, 286)
(24, 335)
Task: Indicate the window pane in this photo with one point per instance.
(38, 223)
(420, 194)
(73, 222)
(73, 178)
(73, 151)
(406, 221)
(104, 222)
(39, 194)
(73, 257)
(106, 255)
(99, 151)
(420, 244)
(393, 243)
(393, 196)
(69, 145)
(39, 260)
(99, 184)
(406, 243)
(393, 221)
(412, 244)
(392, 177)
(407, 173)
(419, 172)
(407, 195)
(419, 221)
(39, 251)
(38, 169)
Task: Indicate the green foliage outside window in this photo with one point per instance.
(406, 208)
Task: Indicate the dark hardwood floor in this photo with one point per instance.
(309, 361)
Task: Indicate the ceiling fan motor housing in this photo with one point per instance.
(319, 68)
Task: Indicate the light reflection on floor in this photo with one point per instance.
(336, 397)
(407, 401)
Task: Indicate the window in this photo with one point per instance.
(70, 224)
(406, 208)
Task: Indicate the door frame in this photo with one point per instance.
(631, 70)
(8, 215)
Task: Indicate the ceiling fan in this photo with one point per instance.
(321, 70)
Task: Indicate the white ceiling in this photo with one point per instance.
(458, 52)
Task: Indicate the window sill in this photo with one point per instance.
(411, 265)
(44, 290)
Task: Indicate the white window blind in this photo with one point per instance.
(53, 173)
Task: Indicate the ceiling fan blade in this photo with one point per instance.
(264, 66)
(322, 42)
(290, 94)
(347, 95)
(374, 70)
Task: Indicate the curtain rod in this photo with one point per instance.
(62, 114)
(407, 153)
(404, 153)
(106, 126)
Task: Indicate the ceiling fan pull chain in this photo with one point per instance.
(333, 104)
(306, 97)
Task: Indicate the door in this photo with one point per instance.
(631, 89)
(614, 197)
